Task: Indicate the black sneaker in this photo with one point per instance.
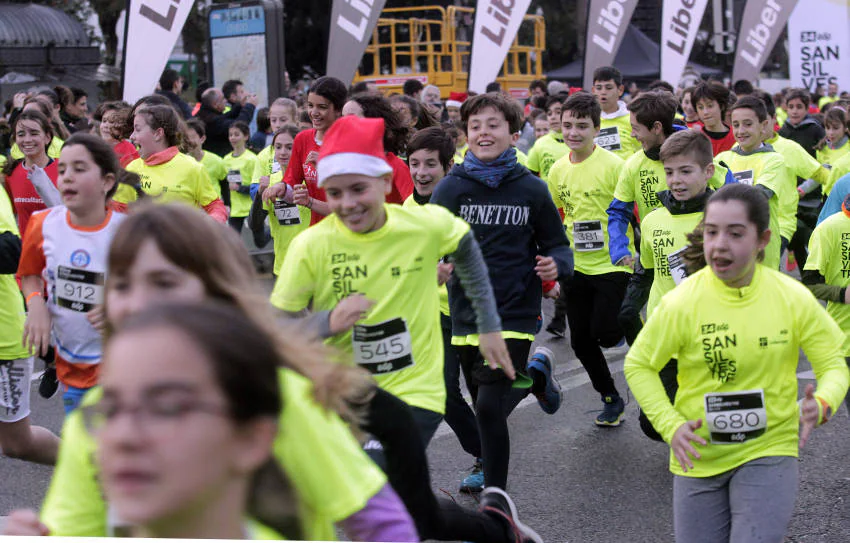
(496, 502)
(557, 328)
(49, 384)
(612, 412)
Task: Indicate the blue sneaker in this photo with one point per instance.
(474, 482)
(545, 387)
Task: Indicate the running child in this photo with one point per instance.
(688, 169)
(755, 163)
(615, 133)
(167, 174)
(550, 147)
(66, 248)
(711, 100)
(511, 213)
(836, 144)
(690, 114)
(430, 159)
(735, 427)
(113, 129)
(196, 135)
(582, 184)
(240, 165)
(282, 111)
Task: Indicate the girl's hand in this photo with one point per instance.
(348, 311)
(37, 327)
(264, 183)
(444, 272)
(313, 157)
(546, 268)
(274, 192)
(97, 318)
(301, 196)
(682, 443)
(808, 414)
(25, 522)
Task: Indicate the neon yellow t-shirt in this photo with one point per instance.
(615, 135)
(584, 191)
(214, 166)
(12, 311)
(664, 236)
(781, 116)
(829, 158)
(766, 169)
(240, 170)
(829, 253)
(840, 168)
(400, 340)
(53, 150)
(181, 179)
(460, 153)
(732, 342)
(641, 179)
(268, 165)
(521, 157)
(545, 152)
(443, 289)
(331, 474)
(285, 222)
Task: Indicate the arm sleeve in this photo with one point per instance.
(383, 519)
(246, 114)
(619, 215)
(216, 210)
(10, 253)
(473, 275)
(32, 254)
(257, 216)
(295, 285)
(657, 343)
(817, 284)
(832, 205)
(45, 187)
(822, 341)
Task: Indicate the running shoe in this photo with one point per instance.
(474, 482)
(612, 412)
(546, 389)
(557, 328)
(49, 384)
(496, 502)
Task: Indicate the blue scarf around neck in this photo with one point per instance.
(490, 173)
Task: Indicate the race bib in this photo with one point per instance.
(735, 417)
(382, 348)
(676, 265)
(745, 177)
(275, 166)
(234, 176)
(608, 138)
(79, 290)
(287, 214)
(587, 236)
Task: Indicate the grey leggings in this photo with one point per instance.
(752, 503)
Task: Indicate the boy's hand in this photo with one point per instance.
(348, 311)
(495, 353)
(546, 268)
(444, 272)
(553, 293)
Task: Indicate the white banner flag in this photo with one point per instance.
(819, 44)
(152, 31)
(496, 26)
(680, 20)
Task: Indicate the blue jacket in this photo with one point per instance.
(513, 223)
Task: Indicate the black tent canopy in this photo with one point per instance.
(639, 58)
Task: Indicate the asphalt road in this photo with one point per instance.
(572, 481)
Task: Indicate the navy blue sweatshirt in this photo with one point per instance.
(513, 223)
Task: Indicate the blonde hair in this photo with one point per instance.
(223, 265)
(290, 105)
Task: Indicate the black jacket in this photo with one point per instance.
(512, 223)
(218, 124)
(809, 133)
(178, 103)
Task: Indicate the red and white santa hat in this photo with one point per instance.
(353, 145)
(456, 99)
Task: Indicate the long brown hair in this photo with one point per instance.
(216, 255)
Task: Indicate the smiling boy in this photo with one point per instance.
(615, 133)
(369, 269)
(711, 100)
(582, 184)
(512, 216)
(548, 148)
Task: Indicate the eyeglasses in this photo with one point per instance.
(156, 415)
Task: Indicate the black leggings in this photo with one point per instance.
(390, 420)
(593, 304)
(496, 400)
(459, 415)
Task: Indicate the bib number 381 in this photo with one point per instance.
(79, 290)
(382, 348)
(735, 417)
(588, 236)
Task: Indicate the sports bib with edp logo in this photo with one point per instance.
(588, 236)
(735, 417)
(384, 347)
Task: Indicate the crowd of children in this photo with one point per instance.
(414, 242)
